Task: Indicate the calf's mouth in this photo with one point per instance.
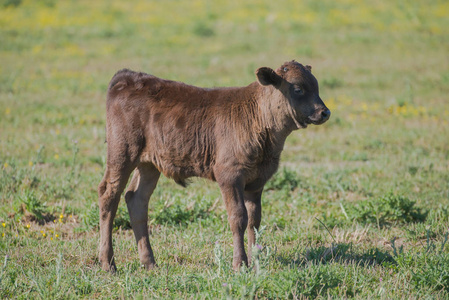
(319, 117)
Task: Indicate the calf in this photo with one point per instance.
(233, 136)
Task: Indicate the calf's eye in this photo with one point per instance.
(299, 91)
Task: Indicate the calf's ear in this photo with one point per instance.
(267, 76)
(309, 68)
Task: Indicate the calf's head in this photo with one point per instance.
(297, 88)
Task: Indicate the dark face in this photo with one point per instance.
(300, 88)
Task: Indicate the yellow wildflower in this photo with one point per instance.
(7, 111)
(5, 165)
(30, 163)
(364, 107)
(4, 224)
(56, 156)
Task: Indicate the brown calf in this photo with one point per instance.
(233, 136)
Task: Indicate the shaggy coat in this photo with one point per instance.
(233, 136)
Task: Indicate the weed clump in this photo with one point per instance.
(32, 209)
(429, 271)
(174, 214)
(203, 30)
(428, 268)
(387, 209)
(91, 219)
(286, 180)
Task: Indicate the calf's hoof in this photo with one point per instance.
(237, 266)
(109, 267)
(149, 266)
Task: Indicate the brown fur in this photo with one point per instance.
(233, 136)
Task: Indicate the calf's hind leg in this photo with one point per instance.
(109, 192)
(137, 196)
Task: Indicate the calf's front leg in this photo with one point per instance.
(254, 208)
(238, 219)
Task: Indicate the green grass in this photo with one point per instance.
(359, 207)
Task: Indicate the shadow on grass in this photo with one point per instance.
(341, 253)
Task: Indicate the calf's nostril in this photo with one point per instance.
(325, 113)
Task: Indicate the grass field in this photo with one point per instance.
(359, 207)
